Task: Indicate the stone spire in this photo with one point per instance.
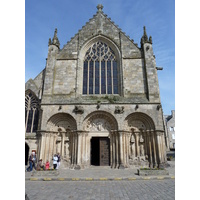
(144, 38)
(55, 40)
(99, 7)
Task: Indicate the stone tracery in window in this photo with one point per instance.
(100, 70)
(31, 112)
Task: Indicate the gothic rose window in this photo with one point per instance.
(31, 112)
(100, 70)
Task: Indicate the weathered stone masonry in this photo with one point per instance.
(98, 100)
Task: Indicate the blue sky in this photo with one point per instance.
(42, 17)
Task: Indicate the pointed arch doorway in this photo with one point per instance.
(100, 151)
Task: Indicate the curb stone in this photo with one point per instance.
(99, 179)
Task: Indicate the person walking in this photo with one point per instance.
(55, 159)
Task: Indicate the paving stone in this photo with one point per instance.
(101, 190)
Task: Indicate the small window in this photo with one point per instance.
(173, 136)
(171, 128)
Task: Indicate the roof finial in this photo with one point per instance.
(144, 38)
(100, 7)
(55, 40)
(145, 34)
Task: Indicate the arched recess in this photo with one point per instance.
(100, 121)
(61, 134)
(107, 65)
(143, 142)
(139, 121)
(61, 122)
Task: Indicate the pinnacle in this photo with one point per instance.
(100, 7)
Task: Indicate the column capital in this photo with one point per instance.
(159, 132)
(137, 133)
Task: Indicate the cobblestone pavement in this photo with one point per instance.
(101, 190)
(94, 172)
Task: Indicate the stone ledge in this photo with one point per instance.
(152, 172)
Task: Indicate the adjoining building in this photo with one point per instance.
(170, 130)
(97, 101)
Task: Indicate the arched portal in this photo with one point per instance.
(60, 137)
(26, 153)
(143, 141)
(99, 127)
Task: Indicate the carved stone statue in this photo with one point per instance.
(119, 109)
(132, 146)
(142, 149)
(79, 109)
(141, 139)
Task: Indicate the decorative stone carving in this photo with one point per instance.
(150, 39)
(119, 109)
(79, 110)
(141, 139)
(158, 107)
(142, 149)
(98, 125)
(132, 147)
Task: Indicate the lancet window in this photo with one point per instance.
(31, 112)
(100, 70)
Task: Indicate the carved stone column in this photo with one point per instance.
(145, 144)
(164, 148)
(158, 146)
(150, 148)
(154, 148)
(137, 143)
(54, 144)
(127, 146)
(50, 147)
(163, 152)
(117, 150)
(121, 163)
(84, 152)
(79, 148)
(62, 144)
(73, 152)
(111, 149)
(75, 148)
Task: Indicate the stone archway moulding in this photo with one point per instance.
(100, 121)
(97, 38)
(139, 121)
(61, 122)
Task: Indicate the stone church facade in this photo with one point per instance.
(97, 101)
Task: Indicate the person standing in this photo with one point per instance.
(55, 159)
(58, 161)
(30, 167)
(34, 160)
